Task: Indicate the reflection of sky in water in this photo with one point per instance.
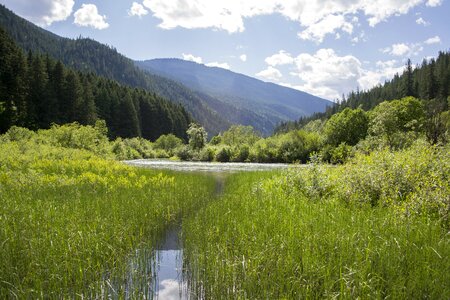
(169, 275)
(204, 166)
(169, 289)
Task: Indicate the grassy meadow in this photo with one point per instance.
(376, 227)
(72, 218)
(69, 219)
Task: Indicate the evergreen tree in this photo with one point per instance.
(71, 101)
(408, 82)
(86, 113)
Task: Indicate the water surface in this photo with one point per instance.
(205, 166)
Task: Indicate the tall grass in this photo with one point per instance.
(69, 220)
(327, 232)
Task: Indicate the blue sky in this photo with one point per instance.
(326, 48)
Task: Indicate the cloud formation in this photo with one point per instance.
(193, 58)
(270, 73)
(318, 18)
(243, 57)
(88, 16)
(137, 10)
(433, 40)
(42, 12)
(218, 65)
(280, 58)
(329, 75)
(421, 21)
(330, 24)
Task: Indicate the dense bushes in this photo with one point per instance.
(392, 124)
(370, 228)
(413, 181)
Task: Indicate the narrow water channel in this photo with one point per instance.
(168, 282)
(158, 273)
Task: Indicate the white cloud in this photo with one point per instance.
(402, 49)
(193, 58)
(434, 40)
(218, 65)
(421, 21)
(243, 57)
(42, 12)
(385, 70)
(169, 289)
(88, 16)
(434, 3)
(280, 58)
(270, 73)
(329, 75)
(317, 17)
(137, 10)
(316, 32)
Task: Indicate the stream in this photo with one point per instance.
(158, 274)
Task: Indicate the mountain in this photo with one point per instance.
(216, 98)
(37, 91)
(263, 104)
(88, 55)
(429, 81)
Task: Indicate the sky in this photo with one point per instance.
(326, 48)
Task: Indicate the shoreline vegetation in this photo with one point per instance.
(370, 227)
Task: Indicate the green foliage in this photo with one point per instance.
(168, 143)
(37, 92)
(239, 134)
(71, 221)
(215, 140)
(349, 126)
(197, 136)
(287, 236)
(341, 153)
(76, 136)
(389, 121)
(184, 153)
(224, 154)
(430, 80)
(89, 56)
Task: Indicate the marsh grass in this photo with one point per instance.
(268, 239)
(69, 220)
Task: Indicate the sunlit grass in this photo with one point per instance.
(265, 240)
(69, 221)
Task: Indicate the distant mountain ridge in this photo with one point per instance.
(216, 98)
(91, 56)
(269, 103)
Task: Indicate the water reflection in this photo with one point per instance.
(169, 282)
(204, 166)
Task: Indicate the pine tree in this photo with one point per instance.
(71, 100)
(408, 81)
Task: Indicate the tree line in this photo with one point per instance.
(429, 81)
(36, 91)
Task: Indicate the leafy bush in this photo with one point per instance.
(168, 143)
(223, 154)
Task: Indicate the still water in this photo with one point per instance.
(158, 274)
(204, 166)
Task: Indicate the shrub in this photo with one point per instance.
(224, 154)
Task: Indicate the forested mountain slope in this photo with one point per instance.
(88, 55)
(429, 81)
(266, 103)
(36, 91)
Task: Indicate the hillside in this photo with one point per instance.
(37, 91)
(429, 81)
(265, 103)
(90, 56)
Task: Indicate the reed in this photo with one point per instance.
(70, 221)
